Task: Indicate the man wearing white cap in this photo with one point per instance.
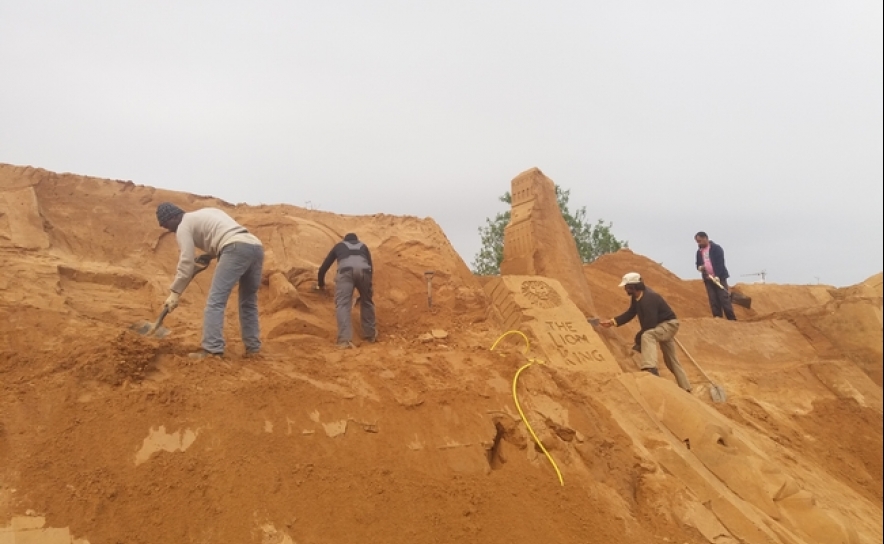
(658, 326)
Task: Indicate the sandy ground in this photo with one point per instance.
(110, 437)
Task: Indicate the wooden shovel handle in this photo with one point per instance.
(686, 352)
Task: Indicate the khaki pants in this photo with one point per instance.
(664, 334)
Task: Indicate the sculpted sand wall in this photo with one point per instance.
(538, 242)
(735, 491)
(92, 248)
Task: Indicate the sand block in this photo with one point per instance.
(557, 328)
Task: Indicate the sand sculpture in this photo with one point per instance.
(106, 436)
(537, 241)
(758, 502)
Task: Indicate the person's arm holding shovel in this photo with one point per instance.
(185, 271)
(200, 263)
(189, 265)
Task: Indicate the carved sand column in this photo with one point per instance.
(538, 242)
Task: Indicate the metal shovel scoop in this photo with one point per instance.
(155, 328)
(146, 328)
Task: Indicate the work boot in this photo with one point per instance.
(203, 354)
(252, 354)
(346, 345)
(373, 338)
(652, 370)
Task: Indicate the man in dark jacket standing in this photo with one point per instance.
(354, 272)
(658, 326)
(710, 263)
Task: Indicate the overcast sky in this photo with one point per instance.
(759, 122)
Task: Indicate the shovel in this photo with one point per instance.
(147, 328)
(715, 391)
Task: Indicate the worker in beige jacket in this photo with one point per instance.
(240, 261)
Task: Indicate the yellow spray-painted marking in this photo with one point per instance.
(516, 397)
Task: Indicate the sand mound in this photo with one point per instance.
(107, 436)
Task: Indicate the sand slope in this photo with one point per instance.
(107, 436)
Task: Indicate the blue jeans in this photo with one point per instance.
(239, 263)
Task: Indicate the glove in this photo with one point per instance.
(318, 287)
(701, 268)
(204, 259)
(172, 301)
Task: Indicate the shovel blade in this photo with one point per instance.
(147, 328)
(717, 393)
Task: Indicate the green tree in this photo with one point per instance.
(592, 240)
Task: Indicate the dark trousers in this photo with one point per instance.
(719, 299)
(345, 282)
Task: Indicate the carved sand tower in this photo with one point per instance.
(541, 290)
(538, 242)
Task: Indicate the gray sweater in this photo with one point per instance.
(208, 229)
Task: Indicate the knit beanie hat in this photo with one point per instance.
(167, 211)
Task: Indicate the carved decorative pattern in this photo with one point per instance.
(540, 294)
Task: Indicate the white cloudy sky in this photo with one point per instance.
(759, 122)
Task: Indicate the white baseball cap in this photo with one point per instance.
(632, 277)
